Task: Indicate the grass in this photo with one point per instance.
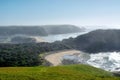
(71, 72)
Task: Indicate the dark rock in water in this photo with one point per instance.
(118, 68)
(116, 74)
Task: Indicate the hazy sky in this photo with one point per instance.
(43, 12)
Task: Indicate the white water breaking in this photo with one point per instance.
(109, 61)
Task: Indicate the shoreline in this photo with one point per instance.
(55, 57)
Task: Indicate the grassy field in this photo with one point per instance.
(71, 72)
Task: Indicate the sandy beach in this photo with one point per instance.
(55, 58)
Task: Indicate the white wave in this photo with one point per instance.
(109, 61)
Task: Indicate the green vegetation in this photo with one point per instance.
(96, 41)
(26, 54)
(71, 72)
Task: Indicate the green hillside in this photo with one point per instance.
(71, 72)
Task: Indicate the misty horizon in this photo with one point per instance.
(50, 12)
(92, 27)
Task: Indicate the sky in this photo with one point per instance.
(45, 12)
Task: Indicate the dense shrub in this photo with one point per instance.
(26, 54)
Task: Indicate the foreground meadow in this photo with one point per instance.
(71, 72)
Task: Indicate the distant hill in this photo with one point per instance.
(21, 39)
(96, 41)
(62, 29)
(39, 30)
